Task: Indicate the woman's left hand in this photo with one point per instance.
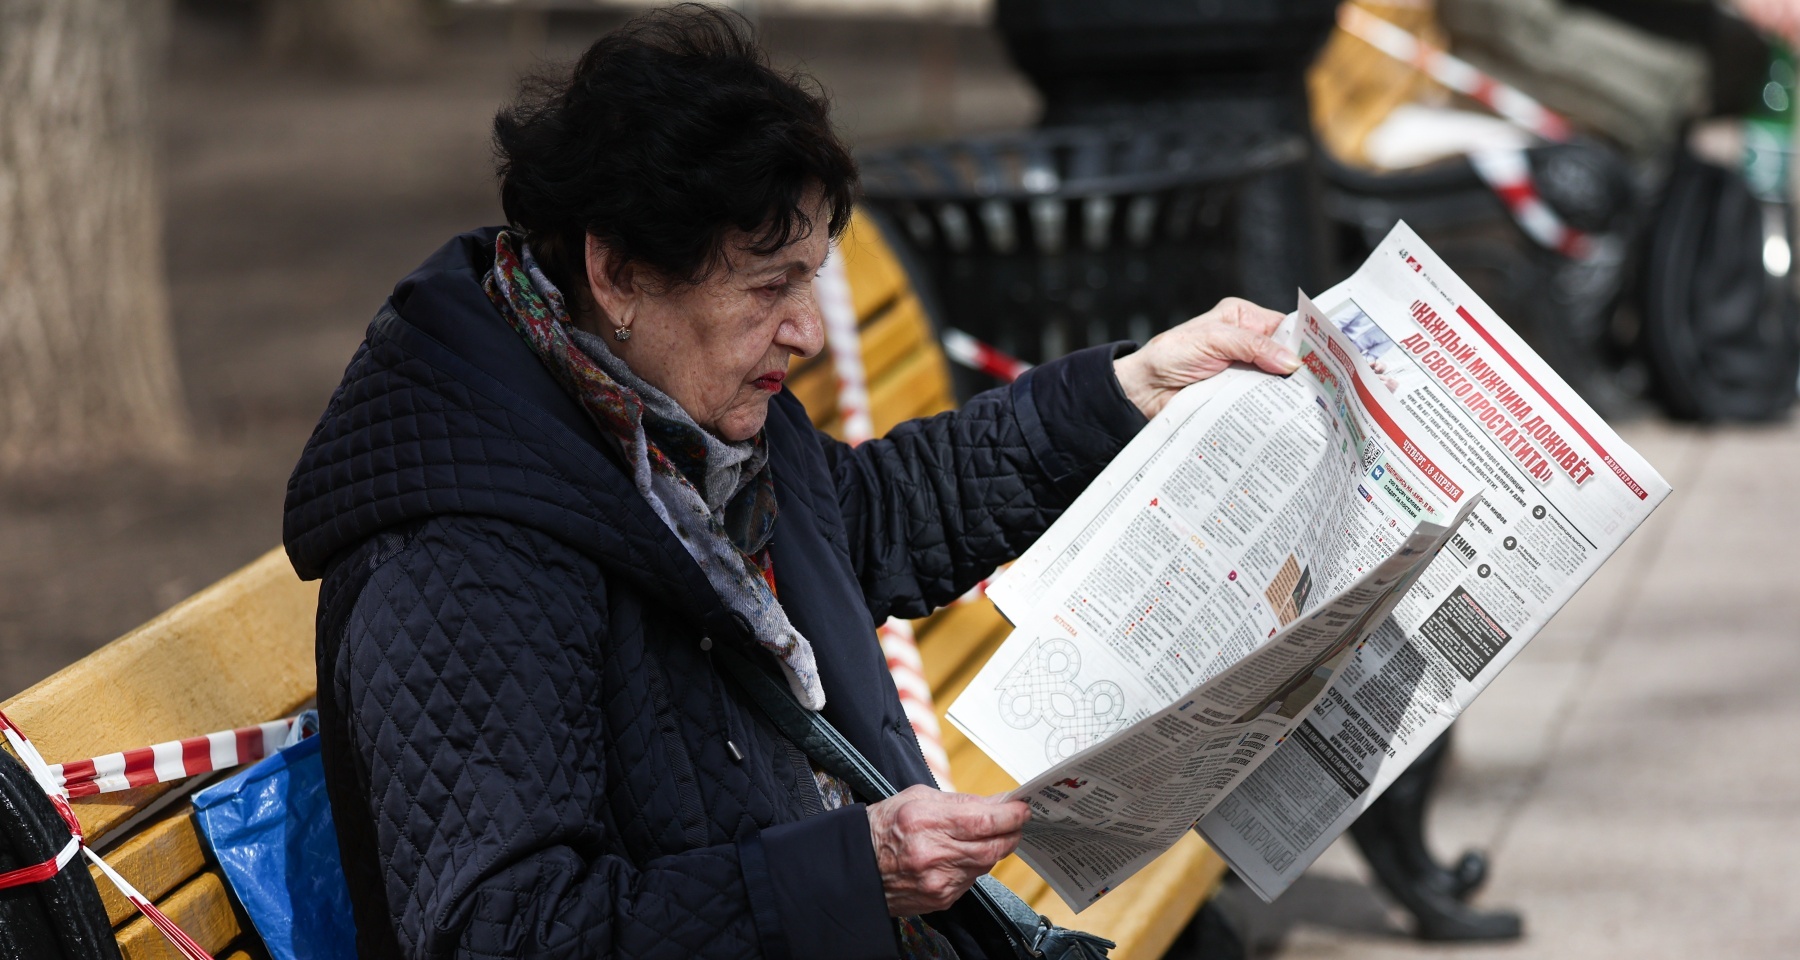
(1234, 331)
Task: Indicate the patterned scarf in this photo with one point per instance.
(668, 454)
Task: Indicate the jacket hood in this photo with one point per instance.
(445, 410)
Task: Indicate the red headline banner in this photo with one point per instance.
(1575, 424)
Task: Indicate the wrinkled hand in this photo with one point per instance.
(1234, 331)
(932, 846)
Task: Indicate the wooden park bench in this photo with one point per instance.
(241, 652)
(237, 653)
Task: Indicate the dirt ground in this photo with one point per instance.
(296, 198)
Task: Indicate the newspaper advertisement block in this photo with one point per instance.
(1197, 600)
(1563, 492)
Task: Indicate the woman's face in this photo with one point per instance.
(719, 348)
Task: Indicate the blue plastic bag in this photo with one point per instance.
(270, 828)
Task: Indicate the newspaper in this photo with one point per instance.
(1564, 491)
(1268, 604)
(1255, 532)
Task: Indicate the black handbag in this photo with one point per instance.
(1722, 331)
(1003, 923)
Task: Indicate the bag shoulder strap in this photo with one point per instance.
(1029, 933)
(811, 732)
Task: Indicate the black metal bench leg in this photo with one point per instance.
(1391, 836)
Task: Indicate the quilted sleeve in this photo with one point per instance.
(467, 678)
(938, 503)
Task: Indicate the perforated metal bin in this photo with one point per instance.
(1045, 241)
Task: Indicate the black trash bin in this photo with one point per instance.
(1045, 241)
(1172, 168)
(1221, 67)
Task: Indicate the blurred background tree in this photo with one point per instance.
(87, 362)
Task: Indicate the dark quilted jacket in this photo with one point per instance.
(528, 751)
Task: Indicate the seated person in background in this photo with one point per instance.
(562, 470)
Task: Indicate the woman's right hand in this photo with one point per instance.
(932, 846)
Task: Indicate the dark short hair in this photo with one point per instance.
(670, 133)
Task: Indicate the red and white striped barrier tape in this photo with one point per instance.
(39, 872)
(34, 763)
(839, 309)
(901, 648)
(898, 644)
(1506, 172)
(974, 354)
(123, 771)
(171, 761)
(1454, 72)
(170, 930)
(40, 771)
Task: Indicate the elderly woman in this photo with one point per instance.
(561, 473)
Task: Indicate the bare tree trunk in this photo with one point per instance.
(87, 360)
(382, 36)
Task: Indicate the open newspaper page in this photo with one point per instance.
(1197, 600)
(1562, 493)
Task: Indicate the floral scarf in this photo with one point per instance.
(667, 453)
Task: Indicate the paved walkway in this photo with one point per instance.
(1635, 773)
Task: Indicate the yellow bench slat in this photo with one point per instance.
(157, 859)
(875, 274)
(816, 389)
(899, 350)
(980, 775)
(925, 392)
(897, 334)
(1147, 912)
(954, 684)
(906, 370)
(956, 641)
(918, 385)
(201, 907)
(237, 653)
